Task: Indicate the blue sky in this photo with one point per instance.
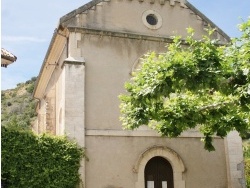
(27, 27)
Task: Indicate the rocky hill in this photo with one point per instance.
(18, 106)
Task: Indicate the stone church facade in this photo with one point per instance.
(92, 53)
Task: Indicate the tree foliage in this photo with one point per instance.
(38, 161)
(194, 84)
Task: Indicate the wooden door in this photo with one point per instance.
(158, 173)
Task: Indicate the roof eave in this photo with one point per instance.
(6, 62)
(54, 51)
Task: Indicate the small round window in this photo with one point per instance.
(152, 19)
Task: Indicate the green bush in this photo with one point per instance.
(247, 172)
(30, 88)
(246, 149)
(39, 161)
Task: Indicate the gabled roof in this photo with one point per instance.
(207, 20)
(80, 10)
(68, 23)
(184, 4)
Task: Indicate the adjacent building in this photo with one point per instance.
(7, 58)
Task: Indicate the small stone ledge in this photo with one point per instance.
(120, 34)
(129, 35)
(139, 133)
(73, 61)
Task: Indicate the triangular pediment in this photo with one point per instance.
(131, 16)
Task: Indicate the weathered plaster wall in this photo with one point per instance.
(112, 159)
(126, 16)
(87, 104)
(109, 62)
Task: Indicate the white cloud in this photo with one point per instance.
(22, 39)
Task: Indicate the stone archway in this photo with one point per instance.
(168, 154)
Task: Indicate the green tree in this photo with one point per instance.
(195, 83)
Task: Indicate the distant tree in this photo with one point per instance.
(196, 83)
(33, 79)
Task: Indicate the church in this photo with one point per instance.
(92, 53)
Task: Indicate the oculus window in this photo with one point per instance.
(152, 19)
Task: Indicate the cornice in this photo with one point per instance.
(120, 34)
(128, 35)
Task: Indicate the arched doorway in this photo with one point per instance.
(166, 153)
(158, 173)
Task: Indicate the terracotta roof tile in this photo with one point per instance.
(5, 54)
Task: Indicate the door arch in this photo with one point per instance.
(158, 173)
(162, 151)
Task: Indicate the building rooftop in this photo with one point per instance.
(7, 57)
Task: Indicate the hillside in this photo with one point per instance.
(18, 105)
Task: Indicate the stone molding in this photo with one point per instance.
(165, 152)
(157, 17)
(120, 34)
(73, 61)
(139, 133)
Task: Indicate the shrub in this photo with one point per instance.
(30, 88)
(246, 149)
(247, 172)
(28, 82)
(39, 161)
(2, 95)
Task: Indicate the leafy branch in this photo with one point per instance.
(196, 83)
